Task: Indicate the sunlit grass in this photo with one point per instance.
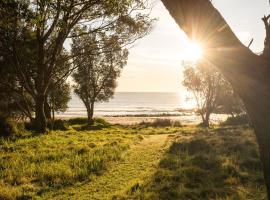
(198, 163)
(220, 163)
(34, 165)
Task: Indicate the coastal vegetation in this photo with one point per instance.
(212, 93)
(35, 42)
(51, 48)
(179, 162)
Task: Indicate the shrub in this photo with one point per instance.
(161, 123)
(98, 122)
(57, 125)
(98, 125)
(7, 127)
(237, 120)
(77, 120)
(101, 121)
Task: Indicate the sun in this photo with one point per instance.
(194, 51)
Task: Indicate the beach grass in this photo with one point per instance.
(133, 162)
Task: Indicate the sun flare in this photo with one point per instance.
(194, 51)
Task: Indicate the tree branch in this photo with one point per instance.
(202, 22)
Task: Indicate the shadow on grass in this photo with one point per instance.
(214, 165)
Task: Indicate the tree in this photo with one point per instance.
(15, 99)
(50, 24)
(205, 85)
(96, 74)
(57, 99)
(212, 93)
(246, 71)
(229, 102)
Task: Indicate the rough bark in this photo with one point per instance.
(40, 117)
(247, 72)
(47, 109)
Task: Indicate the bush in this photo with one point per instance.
(98, 124)
(57, 125)
(28, 126)
(7, 127)
(161, 123)
(77, 120)
(101, 121)
(83, 120)
(237, 120)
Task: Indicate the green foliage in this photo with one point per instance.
(57, 124)
(102, 121)
(58, 97)
(33, 57)
(212, 93)
(77, 120)
(97, 72)
(15, 100)
(237, 120)
(84, 121)
(98, 124)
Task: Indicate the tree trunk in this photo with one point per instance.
(53, 115)
(47, 109)
(259, 114)
(247, 72)
(90, 114)
(40, 117)
(206, 119)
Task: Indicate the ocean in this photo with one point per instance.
(132, 104)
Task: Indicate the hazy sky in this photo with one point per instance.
(154, 64)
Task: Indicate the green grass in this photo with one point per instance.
(132, 162)
(34, 165)
(221, 163)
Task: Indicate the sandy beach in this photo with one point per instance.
(185, 120)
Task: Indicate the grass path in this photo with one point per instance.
(137, 164)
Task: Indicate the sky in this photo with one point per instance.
(154, 63)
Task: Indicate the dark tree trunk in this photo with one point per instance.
(259, 113)
(40, 117)
(47, 110)
(90, 113)
(53, 114)
(247, 72)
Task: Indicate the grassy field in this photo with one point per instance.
(220, 163)
(145, 161)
